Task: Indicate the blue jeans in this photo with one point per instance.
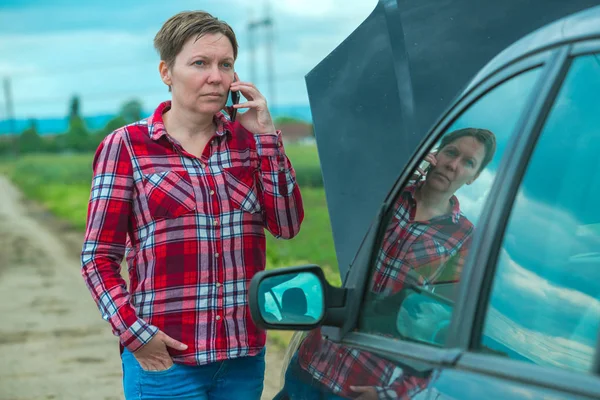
(238, 378)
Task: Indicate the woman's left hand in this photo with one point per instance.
(258, 118)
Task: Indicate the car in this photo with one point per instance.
(462, 175)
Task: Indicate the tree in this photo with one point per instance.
(29, 140)
(131, 111)
(77, 137)
(74, 108)
(111, 126)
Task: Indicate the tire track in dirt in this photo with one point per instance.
(53, 342)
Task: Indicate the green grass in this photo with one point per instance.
(314, 242)
(61, 183)
(305, 160)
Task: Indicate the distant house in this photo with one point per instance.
(295, 131)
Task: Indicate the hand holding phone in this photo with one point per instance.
(425, 166)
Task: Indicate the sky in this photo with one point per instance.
(51, 50)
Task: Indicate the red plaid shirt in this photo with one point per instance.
(419, 251)
(192, 230)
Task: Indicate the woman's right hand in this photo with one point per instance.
(153, 356)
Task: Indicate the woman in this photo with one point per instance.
(187, 194)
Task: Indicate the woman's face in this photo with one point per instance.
(201, 74)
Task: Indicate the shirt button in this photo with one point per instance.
(216, 222)
(212, 192)
(218, 317)
(216, 255)
(218, 284)
(202, 165)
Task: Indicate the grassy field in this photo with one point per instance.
(61, 183)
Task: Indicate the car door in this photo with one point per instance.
(534, 327)
(377, 359)
(417, 323)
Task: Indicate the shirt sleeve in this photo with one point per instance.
(104, 245)
(281, 199)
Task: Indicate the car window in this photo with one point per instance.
(434, 216)
(544, 305)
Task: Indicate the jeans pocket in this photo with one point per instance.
(161, 372)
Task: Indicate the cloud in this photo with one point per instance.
(544, 305)
(103, 51)
(513, 277)
(47, 69)
(325, 8)
(537, 346)
(472, 197)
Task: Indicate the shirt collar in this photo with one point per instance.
(455, 214)
(156, 125)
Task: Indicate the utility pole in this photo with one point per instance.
(267, 23)
(270, 26)
(10, 115)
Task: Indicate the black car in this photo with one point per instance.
(470, 250)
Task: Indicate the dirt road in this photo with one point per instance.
(53, 343)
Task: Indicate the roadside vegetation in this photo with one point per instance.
(61, 183)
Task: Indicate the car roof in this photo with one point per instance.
(375, 97)
(581, 25)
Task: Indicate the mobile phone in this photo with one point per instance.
(425, 166)
(235, 99)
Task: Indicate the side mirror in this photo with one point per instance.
(424, 316)
(289, 298)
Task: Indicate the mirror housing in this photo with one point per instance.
(295, 298)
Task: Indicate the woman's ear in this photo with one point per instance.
(165, 73)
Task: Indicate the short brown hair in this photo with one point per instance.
(181, 27)
(486, 137)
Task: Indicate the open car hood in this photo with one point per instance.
(374, 97)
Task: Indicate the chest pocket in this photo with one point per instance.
(428, 258)
(241, 188)
(170, 194)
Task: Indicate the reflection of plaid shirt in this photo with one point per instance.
(427, 252)
(193, 231)
(337, 367)
(421, 248)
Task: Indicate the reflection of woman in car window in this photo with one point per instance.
(428, 238)
(426, 242)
